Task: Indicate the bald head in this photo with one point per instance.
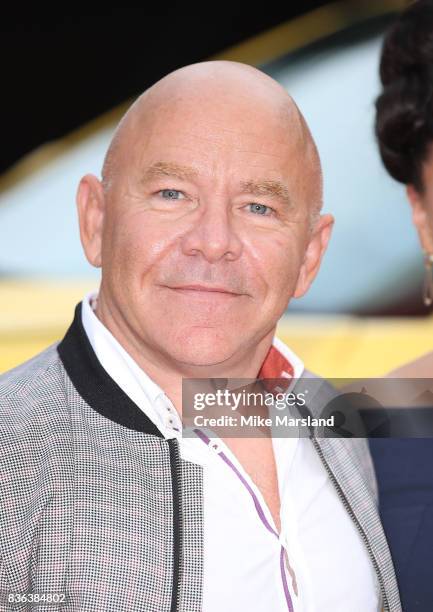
(237, 95)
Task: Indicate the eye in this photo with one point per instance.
(170, 194)
(260, 209)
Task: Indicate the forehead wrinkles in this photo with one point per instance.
(221, 162)
(212, 147)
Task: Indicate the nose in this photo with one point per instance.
(213, 234)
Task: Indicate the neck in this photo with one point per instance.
(167, 372)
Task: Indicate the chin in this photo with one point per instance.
(204, 346)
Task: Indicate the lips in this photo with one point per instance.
(204, 288)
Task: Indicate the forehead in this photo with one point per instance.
(213, 149)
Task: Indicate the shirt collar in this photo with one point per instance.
(111, 353)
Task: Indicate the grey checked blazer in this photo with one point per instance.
(97, 505)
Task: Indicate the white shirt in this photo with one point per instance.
(244, 556)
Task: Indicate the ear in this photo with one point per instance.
(420, 218)
(316, 248)
(91, 211)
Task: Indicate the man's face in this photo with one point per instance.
(204, 200)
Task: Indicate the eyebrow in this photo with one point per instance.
(169, 169)
(275, 189)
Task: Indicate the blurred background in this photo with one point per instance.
(68, 79)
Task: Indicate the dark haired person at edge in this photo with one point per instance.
(404, 129)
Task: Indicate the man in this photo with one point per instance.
(205, 224)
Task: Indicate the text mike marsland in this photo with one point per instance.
(258, 421)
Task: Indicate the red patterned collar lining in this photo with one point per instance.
(277, 368)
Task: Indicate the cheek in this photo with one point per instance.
(278, 259)
(133, 244)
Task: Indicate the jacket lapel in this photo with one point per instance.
(354, 492)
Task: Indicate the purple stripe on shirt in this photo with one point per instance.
(260, 512)
(284, 579)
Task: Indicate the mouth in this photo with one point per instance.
(204, 290)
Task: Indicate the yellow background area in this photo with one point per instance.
(35, 314)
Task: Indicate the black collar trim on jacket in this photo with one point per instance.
(94, 384)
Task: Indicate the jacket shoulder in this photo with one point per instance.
(33, 402)
(29, 373)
